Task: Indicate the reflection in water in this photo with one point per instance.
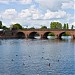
(37, 57)
(0, 43)
(73, 40)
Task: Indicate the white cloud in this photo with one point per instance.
(7, 1)
(59, 14)
(0, 15)
(9, 13)
(37, 16)
(73, 23)
(34, 13)
(24, 13)
(26, 1)
(31, 13)
(20, 1)
(36, 23)
(70, 25)
(49, 4)
(34, 17)
(68, 5)
(52, 4)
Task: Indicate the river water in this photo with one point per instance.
(37, 57)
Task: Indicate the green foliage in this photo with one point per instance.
(66, 34)
(32, 28)
(72, 27)
(51, 34)
(5, 28)
(17, 26)
(43, 27)
(66, 26)
(55, 25)
(0, 24)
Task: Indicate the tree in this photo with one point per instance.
(16, 26)
(5, 28)
(51, 34)
(55, 25)
(0, 24)
(64, 27)
(32, 28)
(43, 27)
(72, 27)
(67, 26)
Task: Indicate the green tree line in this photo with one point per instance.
(53, 25)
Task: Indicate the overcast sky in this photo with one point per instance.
(36, 12)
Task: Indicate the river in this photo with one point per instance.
(37, 57)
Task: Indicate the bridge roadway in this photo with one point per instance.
(30, 33)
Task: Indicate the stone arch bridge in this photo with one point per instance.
(43, 33)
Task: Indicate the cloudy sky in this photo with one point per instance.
(36, 12)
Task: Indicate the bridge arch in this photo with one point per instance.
(20, 35)
(63, 34)
(33, 35)
(46, 34)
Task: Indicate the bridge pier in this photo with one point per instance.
(57, 36)
(26, 36)
(73, 36)
(41, 36)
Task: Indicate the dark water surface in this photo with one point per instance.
(37, 57)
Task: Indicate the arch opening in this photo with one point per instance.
(48, 35)
(20, 35)
(34, 35)
(1, 32)
(65, 35)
